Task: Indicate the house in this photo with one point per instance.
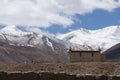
(85, 56)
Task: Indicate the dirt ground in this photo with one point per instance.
(104, 68)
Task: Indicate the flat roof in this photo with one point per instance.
(84, 51)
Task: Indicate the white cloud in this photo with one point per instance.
(44, 13)
(37, 30)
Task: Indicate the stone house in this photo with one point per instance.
(85, 56)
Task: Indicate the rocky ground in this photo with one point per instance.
(83, 68)
(53, 76)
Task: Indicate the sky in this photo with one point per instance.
(59, 16)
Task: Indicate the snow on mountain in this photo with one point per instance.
(12, 30)
(80, 39)
(45, 47)
(103, 38)
(31, 46)
(15, 36)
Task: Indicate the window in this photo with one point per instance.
(80, 54)
(92, 54)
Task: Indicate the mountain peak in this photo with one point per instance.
(111, 29)
(12, 30)
(115, 28)
(83, 30)
(104, 38)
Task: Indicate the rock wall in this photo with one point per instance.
(53, 76)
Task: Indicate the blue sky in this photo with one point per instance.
(59, 16)
(96, 20)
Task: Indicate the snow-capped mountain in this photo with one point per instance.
(21, 38)
(13, 30)
(19, 46)
(101, 38)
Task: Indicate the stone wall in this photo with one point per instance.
(86, 56)
(53, 76)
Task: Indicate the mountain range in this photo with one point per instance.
(17, 46)
(101, 38)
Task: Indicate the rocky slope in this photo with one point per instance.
(113, 53)
(17, 46)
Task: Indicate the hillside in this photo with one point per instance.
(17, 46)
(113, 53)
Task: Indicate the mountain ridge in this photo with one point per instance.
(17, 46)
(20, 46)
(104, 38)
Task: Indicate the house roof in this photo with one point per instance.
(84, 50)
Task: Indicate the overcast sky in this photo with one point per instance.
(60, 16)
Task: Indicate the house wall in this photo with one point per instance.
(85, 56)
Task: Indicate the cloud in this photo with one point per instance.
(38, 31)
(44, 13)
